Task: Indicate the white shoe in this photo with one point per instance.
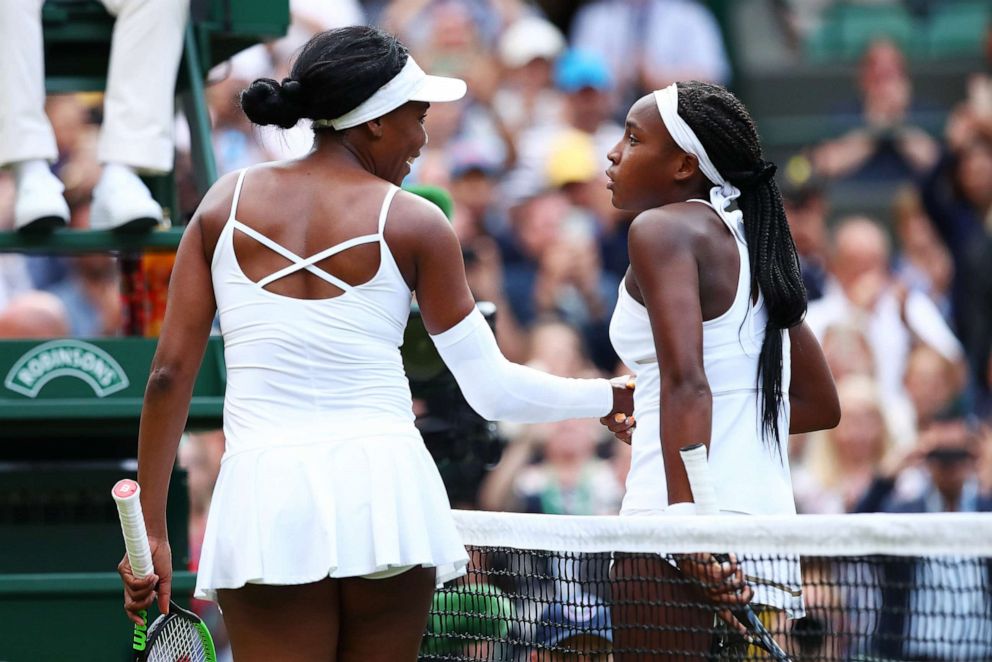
(40, 206)
(122, 202)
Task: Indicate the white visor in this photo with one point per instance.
(410, 84)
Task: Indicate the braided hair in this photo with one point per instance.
(727, 132)
(334, 72)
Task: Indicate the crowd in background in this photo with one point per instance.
(901, 301)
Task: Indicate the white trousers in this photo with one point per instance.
(138, 115)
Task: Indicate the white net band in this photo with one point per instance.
(967, 534)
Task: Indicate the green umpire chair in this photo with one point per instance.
(77, 50)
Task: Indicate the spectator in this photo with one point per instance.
(985, 457)
(484, 271)
(14, 278)
(414, 20)
(468, 621)
(935, 609)
(885, 145)
(923, 263)
(591, 200)
(806, 210)
(824, 632)
(474, 173)
(846, 348)
(308, 17)
(452, 46)
(649, 44)
(34, 315)
(138, 114)
(933, 385)
(575, 627)
(91, 294)
(235, 144)
(958, 197)
(948, 451)
(557, 348)
(552, 267)
(841, 462)
(569, 480)
(863, 291)
(587, 86)
(527, 98)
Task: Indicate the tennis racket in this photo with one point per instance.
(701, 482)
(180, 635)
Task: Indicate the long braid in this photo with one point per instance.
(727, 132)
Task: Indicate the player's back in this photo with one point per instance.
(311, 338)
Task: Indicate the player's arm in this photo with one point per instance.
(667, 272)
(813, 402)
(496, 388)
(189, 313)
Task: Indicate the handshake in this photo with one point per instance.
(621, 420)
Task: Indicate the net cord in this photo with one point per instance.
(962, 534)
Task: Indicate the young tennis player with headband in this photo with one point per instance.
(710, 318)
(329, 526)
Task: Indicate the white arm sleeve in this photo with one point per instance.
(503, 391)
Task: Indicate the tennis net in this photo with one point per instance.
(873, 587)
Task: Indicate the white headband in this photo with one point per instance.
(683, 135)
(723, 192)
(410, 84)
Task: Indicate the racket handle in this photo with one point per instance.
(700, 481)
(127, 495)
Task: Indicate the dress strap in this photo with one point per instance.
(265, 241)
(237, 194)
(387, 201)
(308, 263)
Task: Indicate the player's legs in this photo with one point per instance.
(286, 623)
(383, 620)
(653, 610)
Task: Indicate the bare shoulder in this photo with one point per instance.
(214, 210)
(415, 220)
(665, 230)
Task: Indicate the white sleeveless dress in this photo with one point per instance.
(324, 473)
(748, 475)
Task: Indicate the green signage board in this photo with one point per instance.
(95, 387)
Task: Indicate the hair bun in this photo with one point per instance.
(292, 88)
(267, 102)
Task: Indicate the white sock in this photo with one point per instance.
(31, 168)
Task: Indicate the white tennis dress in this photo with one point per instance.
(749, 477)
(324, 473)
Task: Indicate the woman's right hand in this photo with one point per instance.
(722, 581)
(140, 593)
(620, 420)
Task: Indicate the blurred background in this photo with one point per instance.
(877, 112)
